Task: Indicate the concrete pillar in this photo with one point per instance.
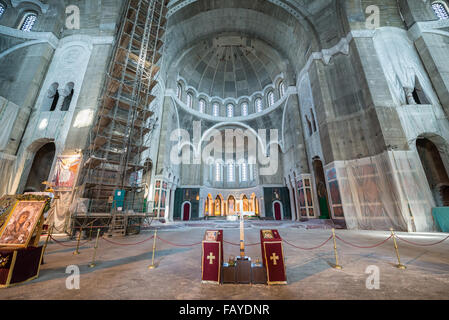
(295, 193)
(171, 207)
(201, 207)
(292, 202)
(62, 95)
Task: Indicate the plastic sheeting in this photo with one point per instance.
(59, 212)
(7, 163)
(401, 64)
(386, 191)
(8, 115)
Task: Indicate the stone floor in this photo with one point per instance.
(122, 271)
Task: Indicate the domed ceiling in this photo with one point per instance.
(230, 66)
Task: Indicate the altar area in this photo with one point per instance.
(231, 206)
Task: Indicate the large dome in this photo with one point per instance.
(230, 66)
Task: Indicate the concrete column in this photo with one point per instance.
(62, 95)
(292, 202)
(295, 192)
(172, 202)
(201, 207)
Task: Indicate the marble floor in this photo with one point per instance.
(122, 268)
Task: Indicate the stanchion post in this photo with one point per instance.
(90, 233)
(152, 265)
(77, 250)
(337, 266)
(92, 264)
(50, 231)
(399, 265)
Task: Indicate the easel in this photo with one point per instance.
(29, 255)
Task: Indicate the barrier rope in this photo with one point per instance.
(127, 244)
(238, 244)
(302, 248)
(66, 245)
(422, 244)
(363, 247)
(180, 245)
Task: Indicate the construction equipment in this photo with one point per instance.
(113, 159)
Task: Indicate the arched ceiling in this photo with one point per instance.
(230, 66)
(282, 25)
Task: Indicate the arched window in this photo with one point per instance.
(202, 106)
(244, 109)
(231, 171)
(251, 169)
(28, 21)
(440, 9)
(179, 91)
(216, 109)
(281, 89)
(313, 120)
(270, 98)
(189, 100)
(217, 172)
(259, 106)
(2, 9)
(68, 98)
(230, 110)
(244, 172)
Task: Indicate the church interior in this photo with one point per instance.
(128, 116)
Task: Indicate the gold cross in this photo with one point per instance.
(274, 257)
(211, 258)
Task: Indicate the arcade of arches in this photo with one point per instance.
(219, 206)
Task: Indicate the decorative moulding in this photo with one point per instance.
(44, 7)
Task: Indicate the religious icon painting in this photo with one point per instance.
(267, 234)
(66, 170)
(211, 235)
(19, 227)
(163, 195)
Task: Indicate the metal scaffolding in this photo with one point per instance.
(114, 157)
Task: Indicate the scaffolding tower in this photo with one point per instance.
(113, 159)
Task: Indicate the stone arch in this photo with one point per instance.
(40, 167)
(432, 151)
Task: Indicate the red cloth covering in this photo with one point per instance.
(212, 257)
(211, 261)
(273, 256)
(25, 266)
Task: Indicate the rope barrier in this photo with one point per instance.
(179, 245)
(65, 245)
(127, 244)
(421, 244)
(302, 248)
(238, 244)
(364, 247)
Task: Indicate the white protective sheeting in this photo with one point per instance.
(401, 64)
(7, 163)
(386, 191)
(8, 115)
(59, 213)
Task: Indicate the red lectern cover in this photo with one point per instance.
(212, 256)
(273, 256)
